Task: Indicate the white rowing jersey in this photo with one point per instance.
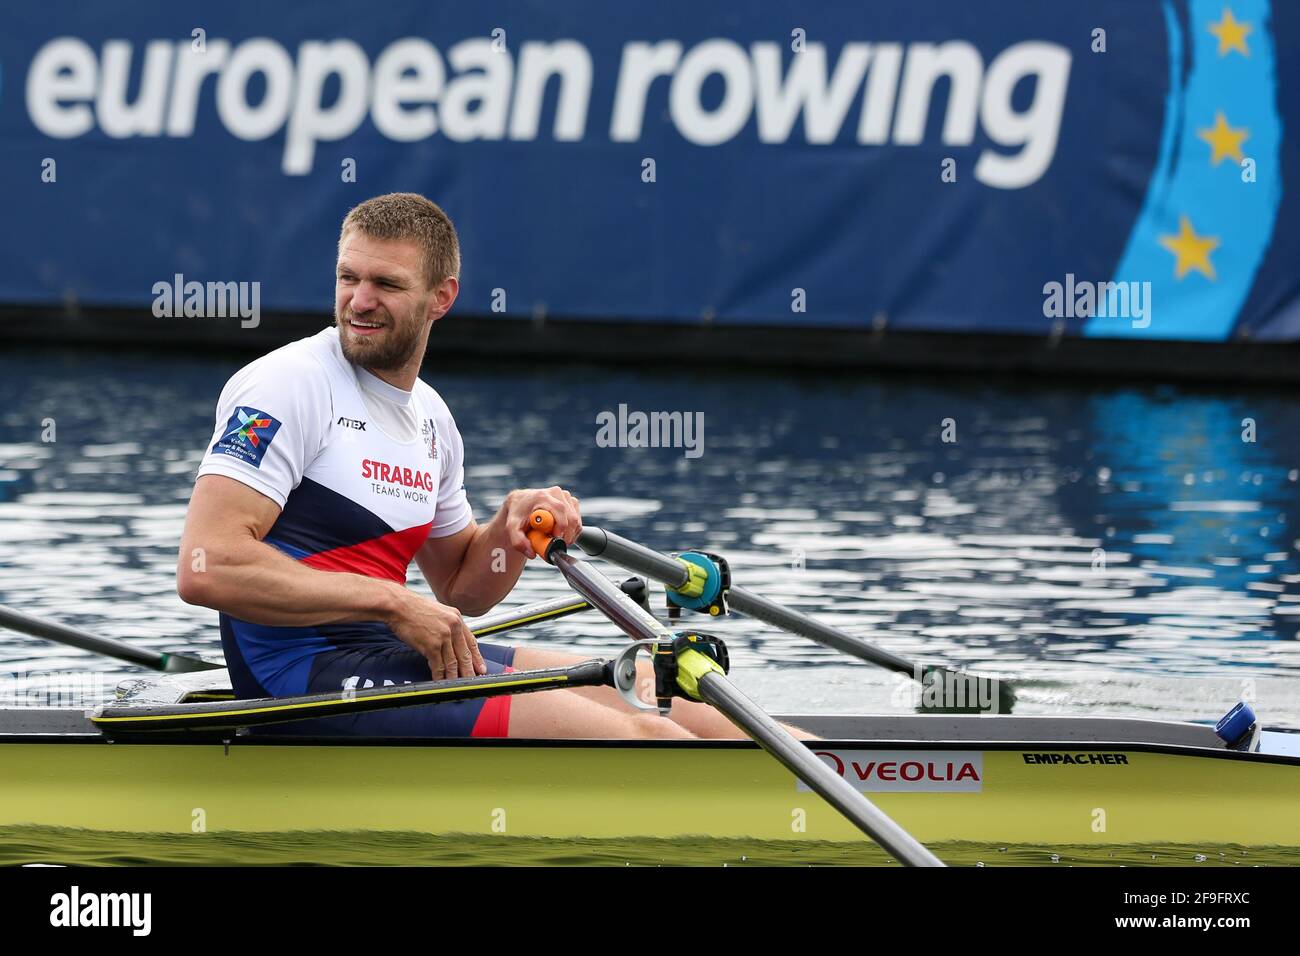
(364, 473)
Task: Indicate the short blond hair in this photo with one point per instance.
(410, 217)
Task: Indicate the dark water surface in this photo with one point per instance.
(1113, 549)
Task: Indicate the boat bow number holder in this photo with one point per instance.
(1239, 728)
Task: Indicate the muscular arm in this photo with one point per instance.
(474, 569)
(225, 565)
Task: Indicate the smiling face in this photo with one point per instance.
(383, 305)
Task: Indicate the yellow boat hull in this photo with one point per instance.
(607, 790)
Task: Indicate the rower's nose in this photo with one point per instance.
(365, 298)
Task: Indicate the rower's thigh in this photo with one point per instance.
(533, 658)
(565, 714)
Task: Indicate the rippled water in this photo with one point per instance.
(50, 845)
(1113, 550)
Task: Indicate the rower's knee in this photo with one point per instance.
(654, 727)
(798, 733)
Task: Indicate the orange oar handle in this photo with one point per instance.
(540, 524)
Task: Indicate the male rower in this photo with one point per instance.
(332, 466)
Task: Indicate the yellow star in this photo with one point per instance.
(1192, 251)
(1231, 34)
(1224, 140)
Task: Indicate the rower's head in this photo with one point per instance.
(398, 272)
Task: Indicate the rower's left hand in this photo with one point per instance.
(520, 504)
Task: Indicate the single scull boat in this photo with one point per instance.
(177, 747)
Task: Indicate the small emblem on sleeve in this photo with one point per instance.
(429, 431)
(248, 435)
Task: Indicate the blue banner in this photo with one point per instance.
(1112, 169)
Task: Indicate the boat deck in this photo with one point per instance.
(881, 730)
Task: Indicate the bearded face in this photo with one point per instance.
(382, 302)
(378, 340)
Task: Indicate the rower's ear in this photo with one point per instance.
(443, 297)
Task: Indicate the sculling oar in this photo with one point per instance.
(167, 661)
(701, 676)
(173, 662)
(702, 584)
(551, 610)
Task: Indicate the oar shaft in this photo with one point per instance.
(642, 560)
(170, 662)
(799, 760)
(62, 634)
(552, 610)
(600, 543)
(769, 612)
(606, 597)
(508, 620)
(716, 690)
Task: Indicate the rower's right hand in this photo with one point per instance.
(441, 635)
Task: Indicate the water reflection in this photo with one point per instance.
(1103, 545)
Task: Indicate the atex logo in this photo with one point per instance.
(74, 909)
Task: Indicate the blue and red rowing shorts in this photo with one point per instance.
(378, 667)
